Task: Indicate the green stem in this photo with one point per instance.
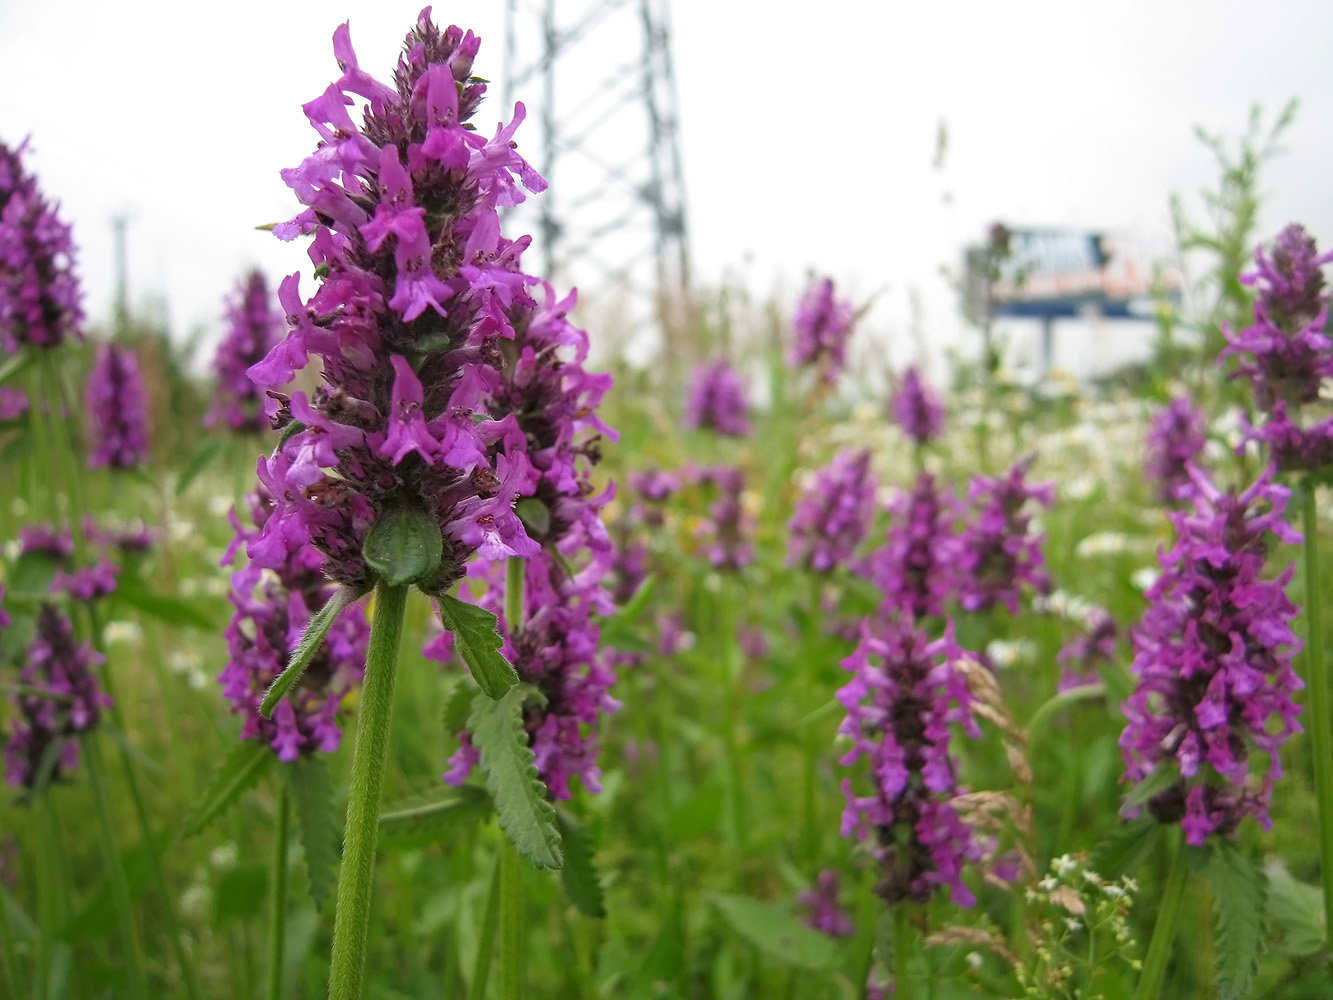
(115, 870)
(1058, 703)
(356, 880)
(514, 578)
(277, 919)
(511, 916)
(481, 971)
(1168, 916)
(11, 958)
(1316, 677)
(48, 892)
(902, 941)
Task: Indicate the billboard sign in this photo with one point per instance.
(1055, 273)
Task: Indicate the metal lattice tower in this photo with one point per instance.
(613, 220)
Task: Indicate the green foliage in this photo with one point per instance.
(1238, 889)
(247, 763)
(432, 816)
(526, 816)
(477, 640)
(1296, 911)
(315, 632)
(579, 874)
(318, 820)
(403, 546)
(777, 932)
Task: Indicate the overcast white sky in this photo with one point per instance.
(808, 130)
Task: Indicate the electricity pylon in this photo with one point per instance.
(606, 119)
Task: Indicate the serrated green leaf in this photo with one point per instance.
(1120, 850)
(458, 707)
(477, 640)
(241, 770)
(199, 461)
(172, 610)
(315, 632)
(316, 812)
(526, 817)
(579, 875)
(777, 932)
(1238, 906)
(404, 546)
(1297, 910)
(425, 817)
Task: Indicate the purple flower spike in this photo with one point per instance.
(1289, 354)
(1176, 436)
(904, 695)
(727, 531)
(1082, 658)
(917, 408)
(271, 609)
(1286, 354)
(418, 322)
(916, 569)
(717, 400)
(835, 513)
(39, 293)
(88, 583)
(70, 700)
(997, 553)
(546, 405)
(117, 410)
(1213, 660)
(254, 326)
(823, 322)
(825, 913)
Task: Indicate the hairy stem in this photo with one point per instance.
(511, 910)
(277, 917)
(356, 880)
(1168, 916)
(1316, 677)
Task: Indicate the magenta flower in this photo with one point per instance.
(728, 530)
(717, 400)
(1176, 437)
(823, 322)
(418, 324)
(551, 402)
(1213, 660)
(39, 293)
(998, 554)
(904, 695)
(254, 326)
(1082, 658)
(88, 583)
(117, 410)
(916, 569)
(834, 514)
(917, 408)
(70, 700)
(271, 611)
(825, 914)
(1286, 354)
